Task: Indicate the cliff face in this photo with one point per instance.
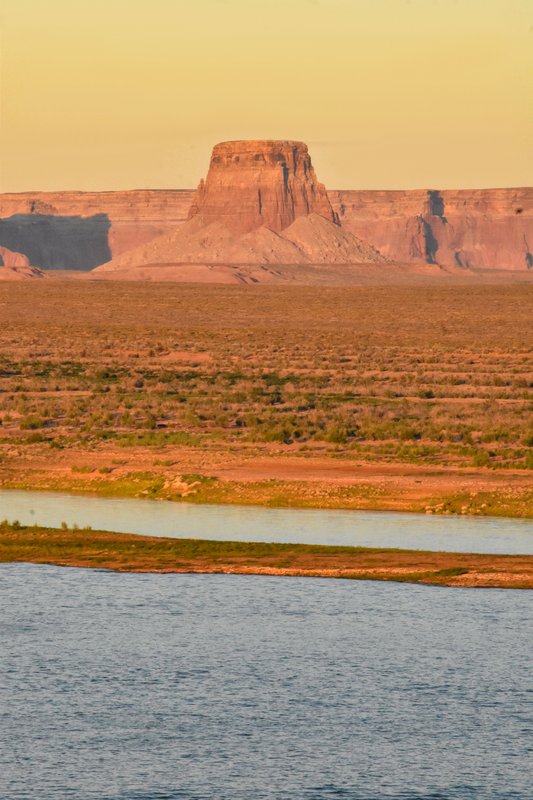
(256, 183)
(483, 229)
(80, 230)
(16, 267)
(8, 258)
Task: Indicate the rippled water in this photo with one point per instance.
(252, 523)
(153, 687)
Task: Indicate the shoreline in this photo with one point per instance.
(144, 554)
(500, 502)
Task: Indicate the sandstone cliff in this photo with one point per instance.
(482, 229)
(9, 258)
(16, 266)
(80, 230)
(256, 183)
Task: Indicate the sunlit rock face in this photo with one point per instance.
(477, 228)
(245, 212)
(251, 184)
(16, 266)
(10, 258)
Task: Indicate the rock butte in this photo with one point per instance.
(255, 183)
(261, 204)
(488, 229)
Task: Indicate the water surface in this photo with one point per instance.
(253, 523)
(193, 687)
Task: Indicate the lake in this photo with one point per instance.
(253, 523)
(204, 687)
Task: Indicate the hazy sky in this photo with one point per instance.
(109, 94)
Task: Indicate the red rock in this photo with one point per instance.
(20, 273)
(256, 183)
(482, 229)
(261, 204)
(322, 242)
(309, 240)
(64, 229)
(9, 258)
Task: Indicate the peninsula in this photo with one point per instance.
(131, 553)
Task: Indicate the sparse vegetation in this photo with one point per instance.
(440, 377)
(127, 553)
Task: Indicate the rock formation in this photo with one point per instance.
(481, 229)
(20, 273)
(81, 230)
(256, 183)
(16, 267)
(10, 258)
(261, 204)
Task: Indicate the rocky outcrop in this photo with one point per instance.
(261, 204)
(324, 243)
(251, 184)
(20, 273)
(80, 230)
(309, 240)
(16, 266)
(9, 258)
(482, 229)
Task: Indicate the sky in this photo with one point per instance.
(388, 94)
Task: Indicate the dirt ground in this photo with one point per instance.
(405, 398)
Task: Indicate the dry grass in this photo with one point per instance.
(432, 376)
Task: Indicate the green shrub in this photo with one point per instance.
(481, 459)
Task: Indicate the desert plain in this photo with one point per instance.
(391, 397)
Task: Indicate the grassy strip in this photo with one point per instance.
(132, 553)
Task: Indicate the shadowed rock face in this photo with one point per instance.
(251, 184)
(57, 242)
(80, 230)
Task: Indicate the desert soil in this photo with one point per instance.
(404, 398)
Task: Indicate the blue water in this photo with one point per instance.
(251, 523)
(163, 687)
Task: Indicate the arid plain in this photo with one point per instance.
(392, 397)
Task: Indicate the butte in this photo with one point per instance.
(261, 206)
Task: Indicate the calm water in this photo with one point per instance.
(242, 523)
(163, 687)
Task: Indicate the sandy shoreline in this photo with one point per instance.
(145, 554)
